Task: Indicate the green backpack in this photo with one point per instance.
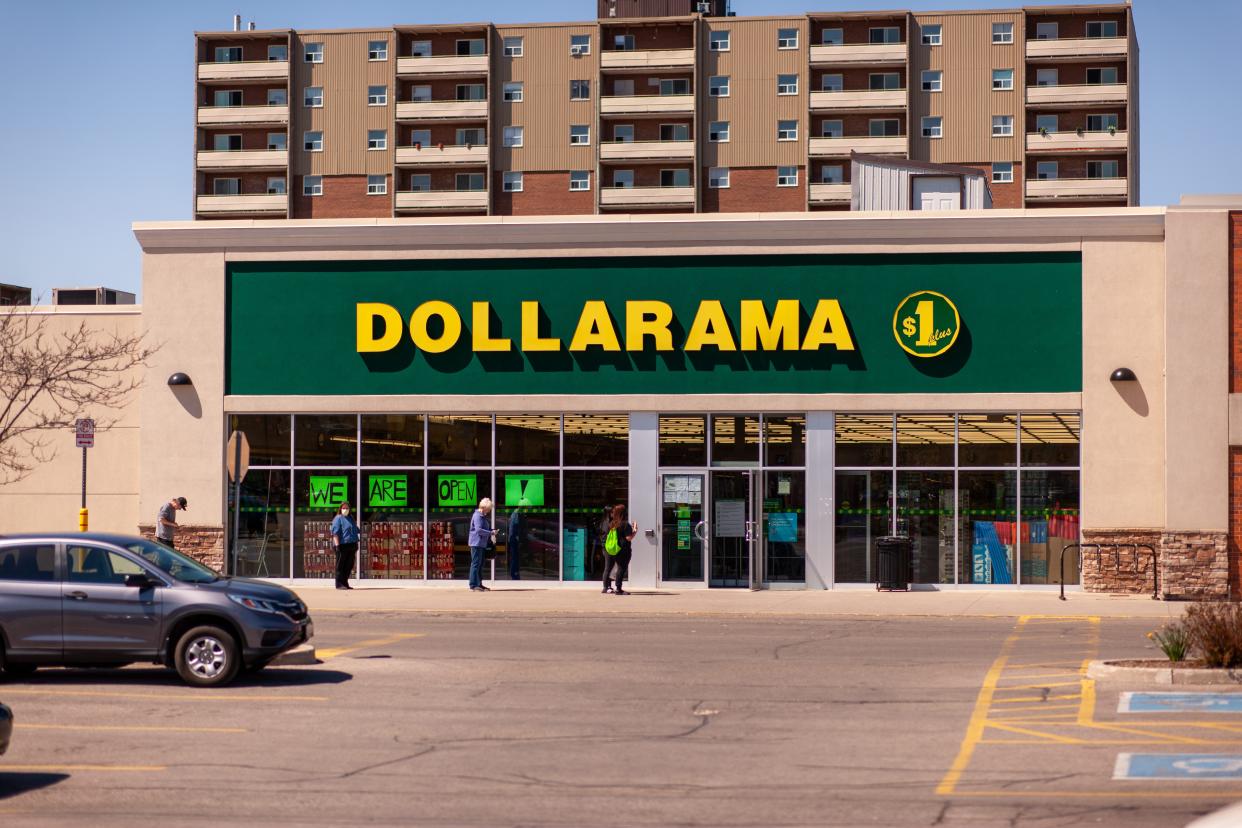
(611, 545)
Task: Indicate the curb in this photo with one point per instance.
(1164, 675)
(300, 656)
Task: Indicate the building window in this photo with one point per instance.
(1002, 126)
(512, 182)
(313, 53)
(580, 44)
(623, 179)
(623, 133)
(718, 41)
(1046, 170)
(377, 96)
(1002, 79)
(420, 48)
(312, 141)
(377, 50)
(884, 127)
(787, 176)
(226, 186)
(276, 185)
(313, 97)
(1105, 75)
(579, 90)
(674, 132)
(420, 138)
(377, 185)
(377, 139)
(832, 174)
(1002, 172)
(674, 86)
(1101, 28)
(579, 135)
(931, 34)
(885, 34)
(832, 83)
(422, 93)
(227, 97)
(579, 181)
(226, 143)
(471, 46)
(277, 141)
(513, 92)
(623, 43)
(513, 136)
(470, 182)
(513, 47)
(832, 37)
(228, 54)
(420, 183)
(1047, 123)
(275, 97)
(1046, 31)
(624, 86)
(718, 132)
(787, 84)
(884, 80)
(933, 126)
(718, 178)
(277, 52)
(674, 178)
(832, 129)
(787, 130)
(787, 38)
(312, 185)
(1047, 77)
(933, 80)
(1002, 33)
(1102, 123)
(471, 92)
(1103, 169)
(718, 86)
(468, 137)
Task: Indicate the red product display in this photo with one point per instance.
(318, 554)
(440, 550)
(392, 549)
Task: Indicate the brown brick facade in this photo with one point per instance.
(543, 194)
(855, 30)
(1188, 565)
(1074, 25)
(1235, 387)
(204, 544)
(669, 36)
(752, 190)
(344, 196)
(1004, 196)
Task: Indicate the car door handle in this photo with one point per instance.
(78, 595)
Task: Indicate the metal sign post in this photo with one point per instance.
(238, 462)
(84, 437)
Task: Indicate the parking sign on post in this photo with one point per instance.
(85, 432)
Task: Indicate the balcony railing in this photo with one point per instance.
(442, 65)
(647, 59)
(236, 115)
(441, 110)
(869, 144)
(241, 159)
(830, 193)
(646, 197)
(1077, 188)
(441, 155)
(257, 203)
(646, 104)
(646, 150)
(859, 54)
(244, 70)
(1091, 48)
(858, 99)
(1074, 94)
(447, 200)
(1044, 142)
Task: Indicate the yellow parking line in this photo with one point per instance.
(166, 697)
(978, 721)
(78, 768)
(1050, 737)
(1120, 793)
(133, 728)
(333, 652)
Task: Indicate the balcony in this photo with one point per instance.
(646, 197)
(646, 105)
(441, 65)
(1077, 188)
(442, 200)
(646, 151)
(441, 110)
(831, 193)
(1077, 48)
(1076, 94)
(244, 70)
(639, 61)
(1052, 142)
(259, 203)
(243, 115)
(448, 154)
(858, 99)
(859, 54)
(869, 144)
(241, 159)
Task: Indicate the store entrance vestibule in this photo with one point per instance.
(709, 523)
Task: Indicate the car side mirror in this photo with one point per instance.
(139, 581)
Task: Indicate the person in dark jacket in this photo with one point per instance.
(620, 563)
(345, 539)
(482, 535)
(605, 521)
(517, 540)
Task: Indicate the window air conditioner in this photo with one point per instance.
(577, 50)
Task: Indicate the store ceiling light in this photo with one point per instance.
(1123, 375)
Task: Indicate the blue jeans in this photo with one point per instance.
(476, 566)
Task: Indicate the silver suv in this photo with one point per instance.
(104, 600)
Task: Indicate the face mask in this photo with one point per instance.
(344, 511)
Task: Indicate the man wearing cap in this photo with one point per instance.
(166, 523)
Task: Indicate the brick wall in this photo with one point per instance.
(252, 95)
(252, 183)
(251, 49)
(753, 189)
(441, 179)
(856, 31)
(344, 196)
(672, 36)
(251, 139)
(1074, 25)
(204, 544)
(543, 194)
(1004, 196)
(1075, 166)
(1235, 386)
(1074, 73)
(442, 43)
(645, 175)
(856, 124)
(1070, 120)
(854, 79)
(1189, 565)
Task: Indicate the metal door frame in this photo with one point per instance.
(704, 538)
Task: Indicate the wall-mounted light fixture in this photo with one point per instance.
(1122, 375)
(180, 379)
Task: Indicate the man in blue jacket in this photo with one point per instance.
(481, 536)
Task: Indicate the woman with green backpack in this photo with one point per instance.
(618, 549)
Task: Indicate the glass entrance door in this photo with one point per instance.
(683, 526)
(732, 531)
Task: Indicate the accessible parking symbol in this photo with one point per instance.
(1178, 766)
(1180, 703)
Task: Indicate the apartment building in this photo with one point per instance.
(685, 109)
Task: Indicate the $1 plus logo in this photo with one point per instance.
(926, 324)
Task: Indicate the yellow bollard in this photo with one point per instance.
(83, 519)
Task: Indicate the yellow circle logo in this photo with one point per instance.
(926, 324)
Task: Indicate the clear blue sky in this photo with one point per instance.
(97, 108)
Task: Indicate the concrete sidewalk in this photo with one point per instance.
(530, 598)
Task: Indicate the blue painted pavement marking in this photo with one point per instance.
(1180, 703)
(1179, 766)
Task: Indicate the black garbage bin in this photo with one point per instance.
(893, 563)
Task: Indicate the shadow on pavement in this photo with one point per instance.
(15, 784)
(157, 677)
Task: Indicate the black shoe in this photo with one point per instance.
(476, 589)
(347, 586)
(620, 592)
(338, 586)
(485, 589)
(606, 590)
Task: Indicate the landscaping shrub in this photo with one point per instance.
(1216, 633)
(1173, 639)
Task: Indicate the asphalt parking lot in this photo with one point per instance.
(477, 720)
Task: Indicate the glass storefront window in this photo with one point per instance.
(1050, 439)
(784, 526)
(587, 495)
(864, 440)
(864, 514)
(460, 440)
(925, 440)
(597, 440)
(268, 435)
(391, 520)
(735, 440)
(392, 440)
(452, 498)
(683, 519)
(528, 440)
(925, 515)
(784, 440)
(987, 439)
(1049, 525)
(683, 440)
(987, 521)
(528, 514)
(262, 523)
(325, 440)
(317, 495)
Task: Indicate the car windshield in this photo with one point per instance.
(186, 570)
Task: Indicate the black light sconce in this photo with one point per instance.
(180, 379)
(1122, 375)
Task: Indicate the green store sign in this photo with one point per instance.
(1005, 322)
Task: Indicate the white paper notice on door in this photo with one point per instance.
(676, 489)
(730, 519)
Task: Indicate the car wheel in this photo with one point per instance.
(207, 657)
